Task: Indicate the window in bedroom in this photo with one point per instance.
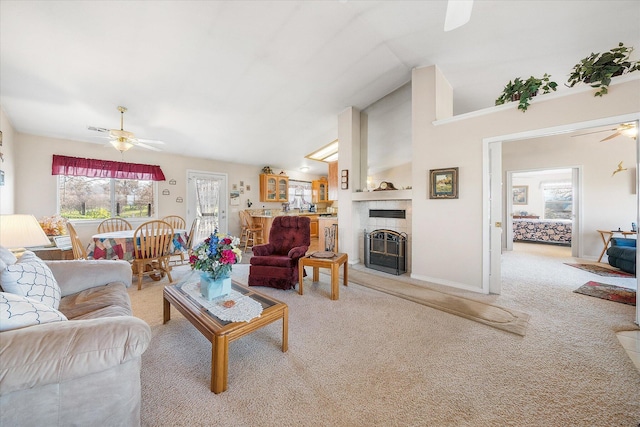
(97, 189)
(558, 200)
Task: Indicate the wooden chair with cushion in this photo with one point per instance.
(250, 232)
(151, 250)
(114, 224)
(178, 223)
(79, 251)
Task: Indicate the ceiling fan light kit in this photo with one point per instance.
(123, 140)
(121, 144)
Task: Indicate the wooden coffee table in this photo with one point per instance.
(332, 263)
(220, 333)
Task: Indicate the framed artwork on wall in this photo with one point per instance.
(443, 183)
(520, 194)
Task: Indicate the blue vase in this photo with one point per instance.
(210, 288)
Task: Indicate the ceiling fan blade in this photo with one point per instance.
(150, 141)
(97, 129)
(595, 131)
(458, 14)
(611, 136)
(148, 147)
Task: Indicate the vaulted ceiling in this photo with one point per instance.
(262, 82)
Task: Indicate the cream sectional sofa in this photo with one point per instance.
(78, 364)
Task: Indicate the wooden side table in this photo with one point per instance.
(52, 253)
(332, 263)
(606, 236)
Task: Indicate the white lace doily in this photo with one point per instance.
(243, 310)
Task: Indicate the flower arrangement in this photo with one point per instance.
(54, 225)
(216, 255)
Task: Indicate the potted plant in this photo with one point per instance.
(214, 259)
(523, 90)
(597, 69)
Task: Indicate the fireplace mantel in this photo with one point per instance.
(367, 196)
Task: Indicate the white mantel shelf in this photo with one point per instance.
(367, 196)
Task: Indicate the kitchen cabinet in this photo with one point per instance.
(333, 181)
(314, 225)
(320, 190)
(274, 188)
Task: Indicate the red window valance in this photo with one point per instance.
(94, 168)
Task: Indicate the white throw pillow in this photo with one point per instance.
(31, 277)
(7, 257)
(19, 312)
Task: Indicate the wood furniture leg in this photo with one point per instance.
(285, 329)
(300, 276)
(166, 311)
(219, 363)
(605, 241)
(346, 273)
(316, 274)
(335, 281)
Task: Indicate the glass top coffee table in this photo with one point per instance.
(220, 332)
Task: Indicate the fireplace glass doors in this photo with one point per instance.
(385, 250)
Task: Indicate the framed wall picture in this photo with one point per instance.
(520, 194)
(443, 183)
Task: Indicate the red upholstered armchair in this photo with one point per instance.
(275, 264)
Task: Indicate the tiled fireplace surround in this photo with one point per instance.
(400, 225)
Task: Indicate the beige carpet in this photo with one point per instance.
(372, 359)
(498, 317)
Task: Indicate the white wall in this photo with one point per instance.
(448, 234)
(37, 188)
(7, 165)
(534, 181)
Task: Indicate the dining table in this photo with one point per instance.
(120, 244)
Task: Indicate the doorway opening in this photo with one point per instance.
(495, 189)
(543, 208)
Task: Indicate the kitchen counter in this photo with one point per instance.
(316, 217)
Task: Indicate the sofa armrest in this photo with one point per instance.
(263, 250)
(78, 275)
(62, 351)
(298, 252)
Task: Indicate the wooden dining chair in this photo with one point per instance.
(192, 235)
(79, 251)
(252, 232)
(151, 253)
(176, 221)
(114, 224)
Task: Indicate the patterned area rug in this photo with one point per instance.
(601, 271)
(608, 292)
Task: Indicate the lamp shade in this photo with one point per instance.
(21, 231)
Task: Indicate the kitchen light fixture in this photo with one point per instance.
(328, 153)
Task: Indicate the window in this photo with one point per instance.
(97, 189)
(81, 197)
(558, 200)
(299, 194)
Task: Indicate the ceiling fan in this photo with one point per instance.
(123, 140)
(625, 129)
